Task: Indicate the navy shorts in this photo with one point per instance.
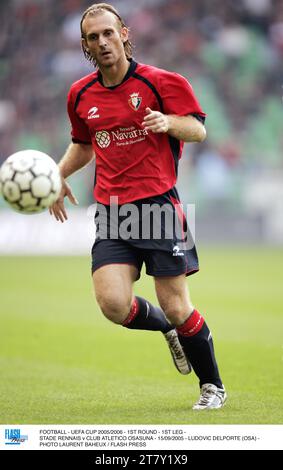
(168, 254)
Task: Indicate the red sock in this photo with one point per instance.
(192, 325)
(195, 337)
(144, 316)
(133, 313)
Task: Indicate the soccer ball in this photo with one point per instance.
(30, 181)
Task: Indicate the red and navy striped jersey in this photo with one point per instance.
(131, 163)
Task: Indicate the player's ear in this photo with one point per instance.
(84, 45)
(124, 34)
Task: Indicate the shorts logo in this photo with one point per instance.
(177, 251)
(135, 101)
(103, 139)
(92, 113)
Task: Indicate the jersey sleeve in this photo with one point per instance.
(80, 133)
(178, 96)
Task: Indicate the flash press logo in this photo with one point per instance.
(14, 437)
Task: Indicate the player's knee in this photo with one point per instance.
(116, 309)
(177, 312)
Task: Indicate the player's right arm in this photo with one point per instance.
(76, 157)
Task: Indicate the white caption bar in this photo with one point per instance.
(137, 437)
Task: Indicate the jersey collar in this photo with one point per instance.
(130, 72)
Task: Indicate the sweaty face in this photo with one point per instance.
(104, 38)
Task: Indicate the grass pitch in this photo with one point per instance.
(62, 362)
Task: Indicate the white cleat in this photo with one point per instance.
(180, 360)
(211, 397)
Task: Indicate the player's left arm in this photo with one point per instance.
(186, 128)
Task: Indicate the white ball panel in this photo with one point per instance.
(43, 166)
(21, 163)
(27, 200)
(41, 186)
(6, 172)
(11, 191)
(24, 180)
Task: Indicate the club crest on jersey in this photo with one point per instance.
(135, 101)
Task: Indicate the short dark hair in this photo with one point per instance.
(92, 11)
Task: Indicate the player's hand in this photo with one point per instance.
(155, 121)
(58, 208)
